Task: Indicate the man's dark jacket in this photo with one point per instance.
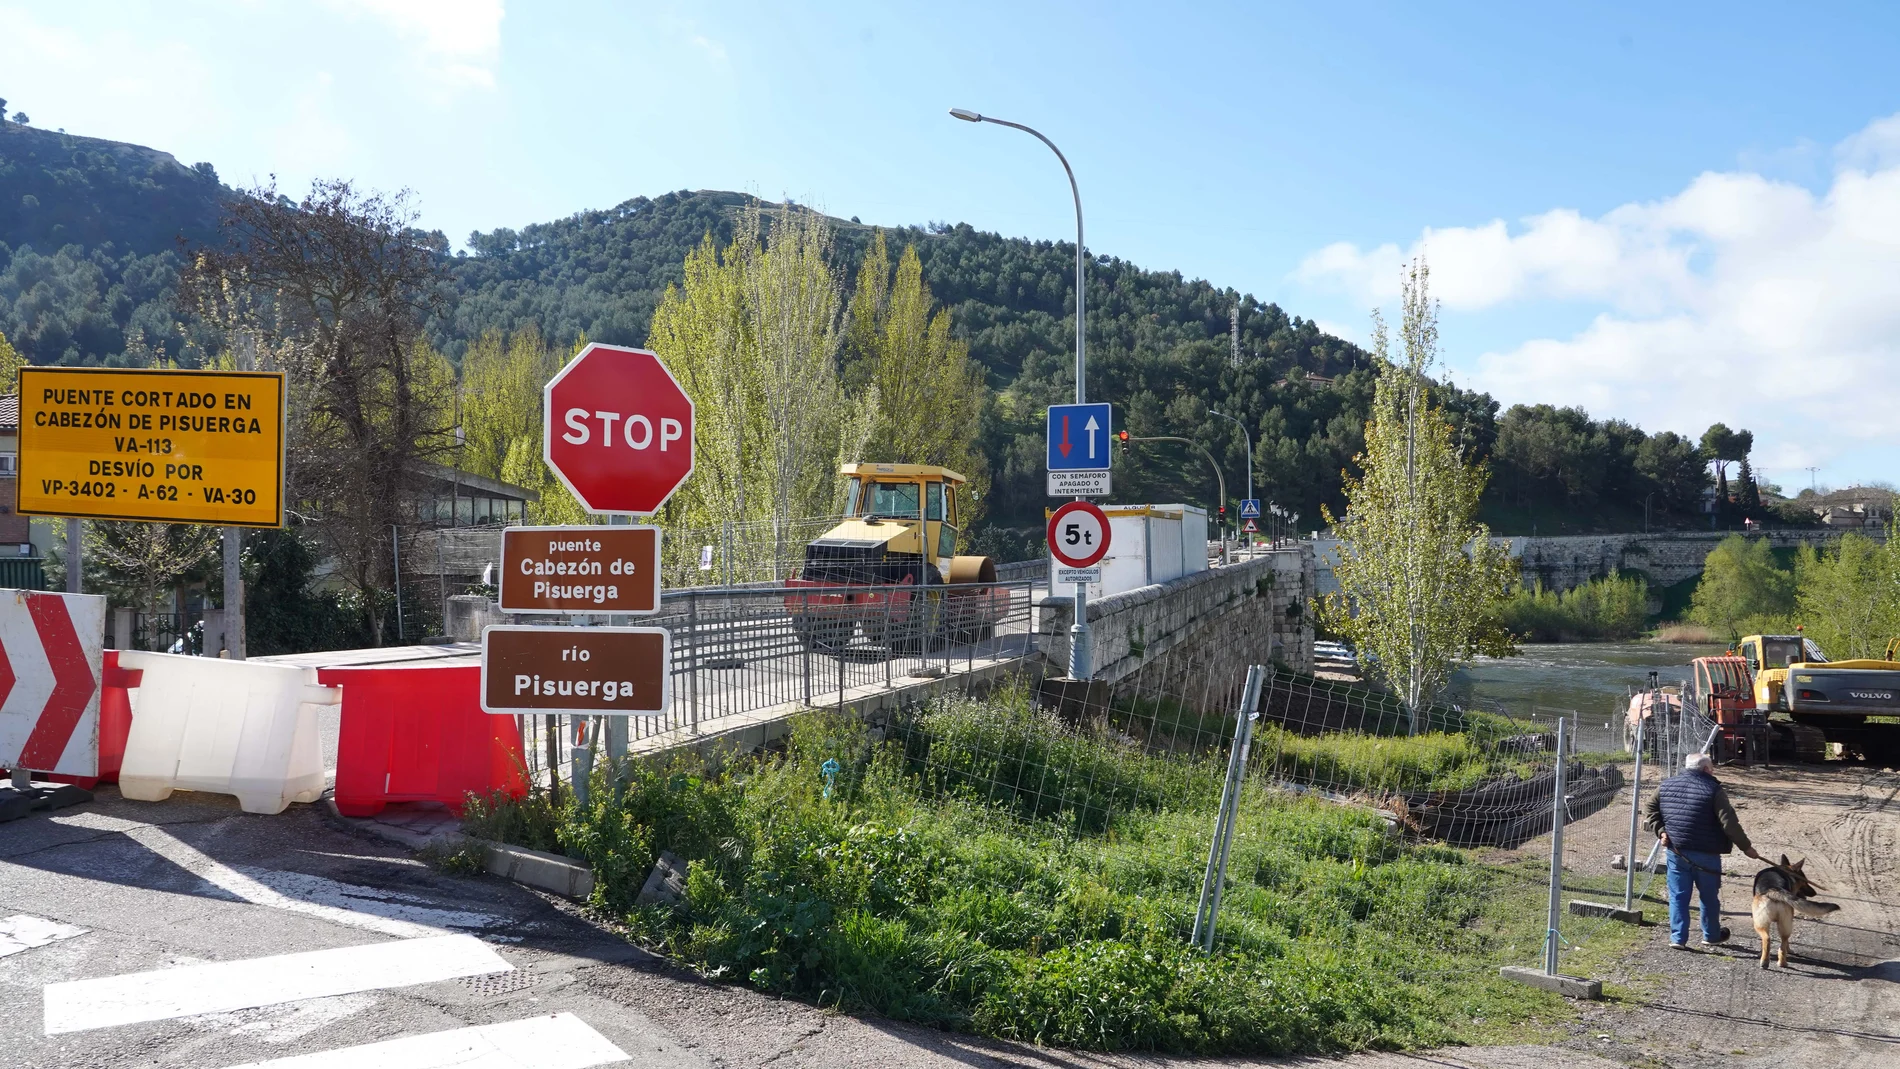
(1694, 809)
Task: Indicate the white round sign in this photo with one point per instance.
(1078, 534)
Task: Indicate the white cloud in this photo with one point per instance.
(1756, 302)
(458, 42)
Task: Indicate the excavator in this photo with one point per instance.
(888, 575)
(1780, 694)
(1855, 703)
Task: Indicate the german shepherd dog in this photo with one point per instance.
(1782, 892)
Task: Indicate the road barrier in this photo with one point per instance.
(229, 727)
(418, 733)
(52, 653)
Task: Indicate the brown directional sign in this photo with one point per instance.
(588, 670)
(580, 569)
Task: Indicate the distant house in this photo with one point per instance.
(1856, 514)
(16, 531)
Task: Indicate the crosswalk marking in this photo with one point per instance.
(78, 1005)
(23, 931)
(558, 1041)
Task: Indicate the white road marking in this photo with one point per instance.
(220, 987)
(338, 903)
(23, 931)
(560, 1041)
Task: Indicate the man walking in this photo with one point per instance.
(1693, 817)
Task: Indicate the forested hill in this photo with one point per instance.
(1159, 345)
(89, 255)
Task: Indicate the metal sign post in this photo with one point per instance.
(1078, 536)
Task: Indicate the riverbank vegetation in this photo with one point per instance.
(986, 867)
(1609, 609)
(1846, 596)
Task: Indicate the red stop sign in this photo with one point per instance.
(618, 430)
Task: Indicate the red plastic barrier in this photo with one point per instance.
(419, 734)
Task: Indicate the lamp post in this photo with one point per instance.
(1248, 435)
(1079, 666)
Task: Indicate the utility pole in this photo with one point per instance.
(233, 539)
(75, 565)
(1811, 470)
(1233, 334)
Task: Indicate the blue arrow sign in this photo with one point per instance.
(1078, 437)
(1249, 508)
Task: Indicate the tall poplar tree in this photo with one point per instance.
(919, 397)
(752, 335)
(1421, 583)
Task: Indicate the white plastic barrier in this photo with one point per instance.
(231, 727)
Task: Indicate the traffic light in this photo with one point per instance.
(1123, 435)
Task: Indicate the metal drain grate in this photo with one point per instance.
(500, 983)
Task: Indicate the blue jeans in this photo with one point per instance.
(1705, 875)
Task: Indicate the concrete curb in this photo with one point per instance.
(1580, 908)
(1568, 986)
(563, 876)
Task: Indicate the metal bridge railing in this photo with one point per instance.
(743, 650)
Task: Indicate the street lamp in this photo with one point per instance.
(1249, 436)
(1079, 666)
(1081, 338)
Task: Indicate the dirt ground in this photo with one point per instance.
(1837, 1003)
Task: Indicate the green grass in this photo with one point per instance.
(988, 868)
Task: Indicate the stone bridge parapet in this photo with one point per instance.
(1261, 604)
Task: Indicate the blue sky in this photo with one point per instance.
(1669, 213)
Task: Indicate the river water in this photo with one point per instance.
(1591, 679)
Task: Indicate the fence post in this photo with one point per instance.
(692, 661)
(1251, 704)
(581, 758)
(1556, 851)
(804, 657)
(1636, 805)
(1216, 872)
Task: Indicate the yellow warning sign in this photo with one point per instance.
(168, 446)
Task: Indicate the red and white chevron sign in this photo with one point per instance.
(51, 650)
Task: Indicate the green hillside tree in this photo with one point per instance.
(1848, 596)
(1422, 585)
(10, 364)
(500, 389)
(1742, 585)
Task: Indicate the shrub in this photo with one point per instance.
(991, 868)
(1610, 608)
